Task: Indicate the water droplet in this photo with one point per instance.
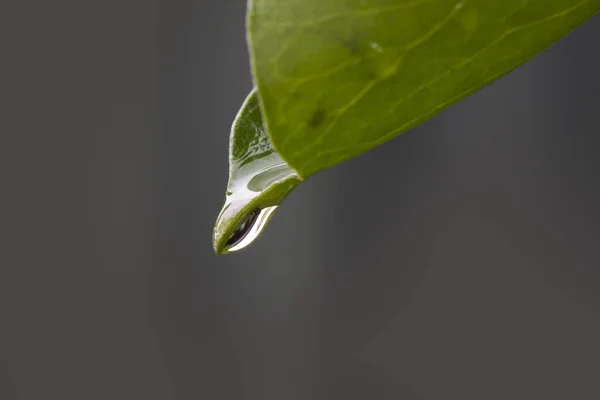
(259, 180)
(247, 231)
(254, 193)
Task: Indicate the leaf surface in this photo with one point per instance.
(339, 77)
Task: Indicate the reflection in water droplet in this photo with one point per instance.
(249, 230)
(242, 229)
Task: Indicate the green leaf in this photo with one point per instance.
(339, 77)
(259, 180)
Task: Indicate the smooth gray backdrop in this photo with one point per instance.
(458, 261)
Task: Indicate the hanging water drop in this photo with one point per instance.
(249, 230)
(259, 180)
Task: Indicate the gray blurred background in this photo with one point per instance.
(458, 261)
